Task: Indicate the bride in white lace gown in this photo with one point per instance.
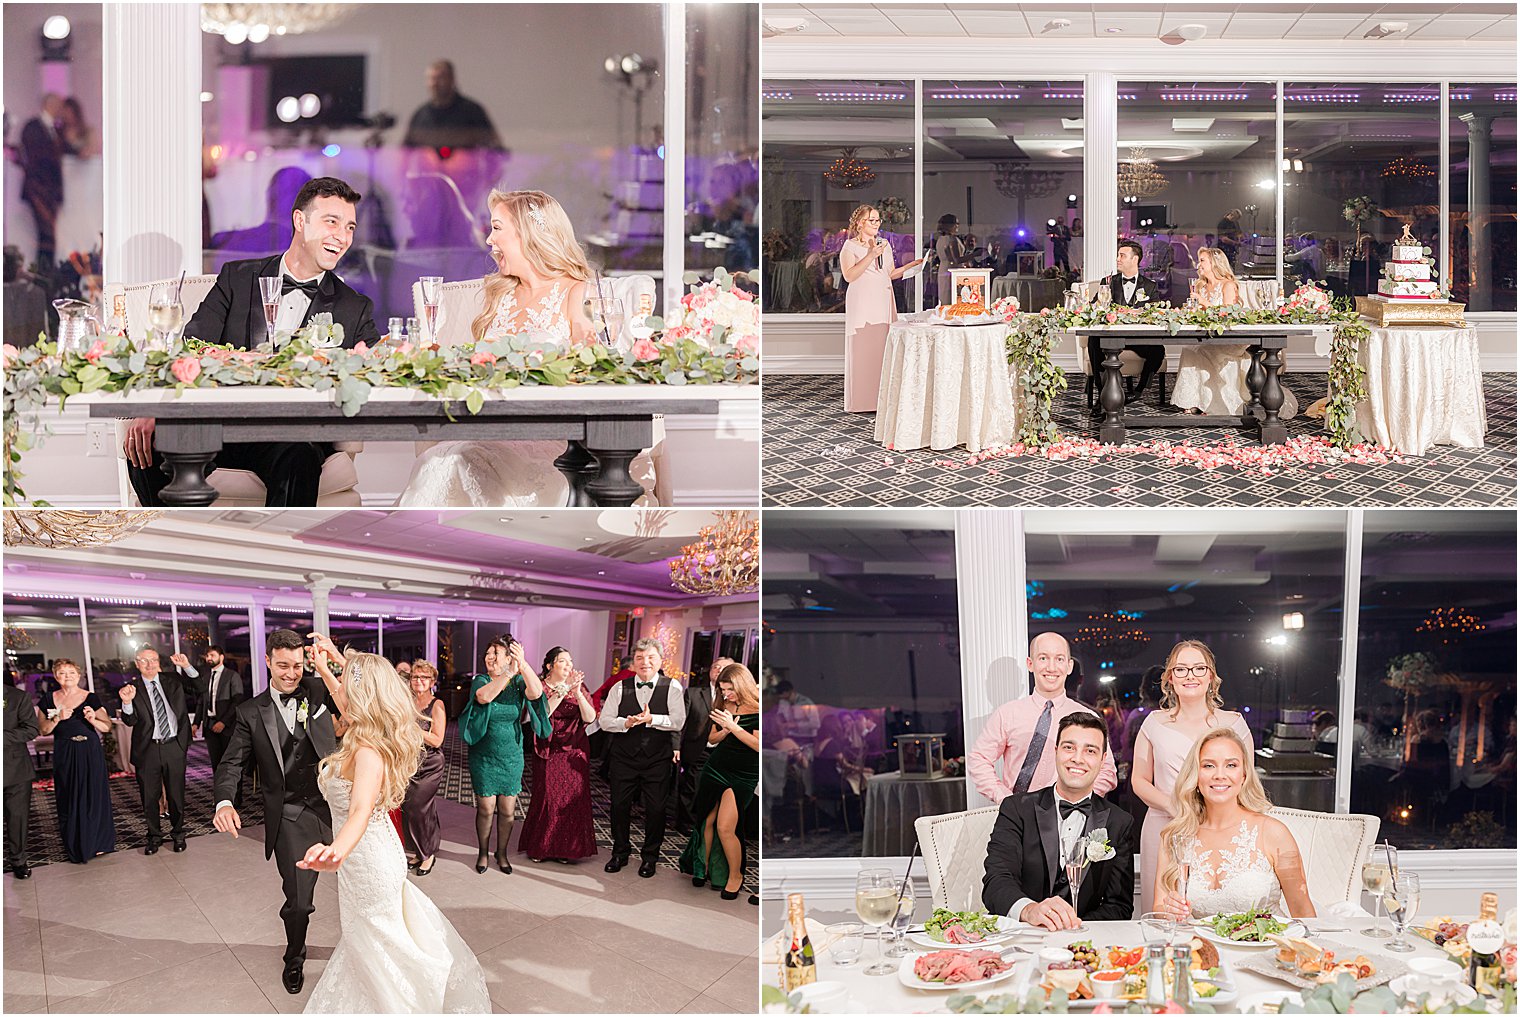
(1212, 379)
(1238, 856)
(397, 953)
(537, 292)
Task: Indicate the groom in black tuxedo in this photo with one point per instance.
(1131, 289)
(287, 729)
(1025, 877)
(324, 220)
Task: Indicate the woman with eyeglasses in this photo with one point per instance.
(1191, 707)
(870, 306)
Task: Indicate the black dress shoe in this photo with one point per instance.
(698, 881)
(480, 863)
(150, 849)
(615, 863)
(180, 845)
(294, 976)
(504, 865)
(22, 871)
(646, 870)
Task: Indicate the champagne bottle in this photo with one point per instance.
(1485, 937)
(799, 967)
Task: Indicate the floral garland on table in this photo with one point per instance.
(713, 342)
(1032, 339)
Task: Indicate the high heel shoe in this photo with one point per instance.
(480, 863)
(423, 872)
(504, 865)
(698, 881)
(729, 894)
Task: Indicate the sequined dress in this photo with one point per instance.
(559, 813)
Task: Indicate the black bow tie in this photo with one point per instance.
(309, 288)
(298, 696)
(1067, 808)
(1124, 281)
(643, 685)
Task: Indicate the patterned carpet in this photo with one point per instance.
(816, 454)
(46, 846)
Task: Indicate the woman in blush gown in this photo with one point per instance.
(396, 953)
(558, 825)
(76, 719)
(870, 307)
(1190, 707)
(1238, 857)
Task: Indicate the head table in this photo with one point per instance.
(886, 994)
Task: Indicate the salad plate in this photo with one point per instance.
(1250, 930)
(940, 930)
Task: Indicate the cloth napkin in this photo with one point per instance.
(777, 945)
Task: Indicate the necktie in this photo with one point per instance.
(160, 711)
(1067, 808)
(216, 676)
(1036, 750)
(309, 288)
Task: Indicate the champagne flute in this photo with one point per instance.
(165, 313)
(432, 299)
(876, 903)
(1076, 868)
(1184, 873)
(270, 293)
(1401, 899)
(901, 919)
(1376, 872)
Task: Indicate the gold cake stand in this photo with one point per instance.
(1392, 313)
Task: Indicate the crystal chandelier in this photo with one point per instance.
(72, 528)
(1139, 177)
(724, 560)
(1114, 634)
(848, 172)
(1450, 623)
(240, 23)
(1016, 180)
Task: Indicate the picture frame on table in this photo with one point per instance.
(970, 285)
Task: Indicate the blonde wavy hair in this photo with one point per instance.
(1188, 805)
(1218, 263)
(1169, 693)
(746, 692)
(858, 217)
(380, 716)
(550, 248)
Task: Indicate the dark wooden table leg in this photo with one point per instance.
(1255, 379)
(188, 451)
(578, 467)
(1111, 398)
(615, 442)
(1273, 431)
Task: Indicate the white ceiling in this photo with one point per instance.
(1231, 21)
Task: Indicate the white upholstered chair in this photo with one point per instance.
(1333, 847)
(236, 488)
(954, 847)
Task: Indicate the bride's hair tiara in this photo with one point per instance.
(537, 215)
(355, 672)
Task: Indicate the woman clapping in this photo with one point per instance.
(492, 728)
(558, 825)
(76, 719)
(726, 789)
(419, 809)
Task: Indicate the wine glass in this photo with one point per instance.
(270, 294)
(1401, 898)
(1076, 863)
(1376, 871)
(876, 903)
(165, 313)
(432, 299)
(607, 319)
(901, 919)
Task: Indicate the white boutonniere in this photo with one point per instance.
(303, 712)
(1142, 297)
(1098, 847)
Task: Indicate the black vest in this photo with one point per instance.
(300, 759)
(642, 745)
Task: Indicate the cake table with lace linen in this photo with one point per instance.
(1424, 388)
(945, 385)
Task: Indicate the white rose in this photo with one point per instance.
(1098, 852)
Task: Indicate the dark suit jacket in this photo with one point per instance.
(229, 693)
(1115, 284)
(42, 164)
(698, 726)
(141, 720)
(256, 733)
(1023, 858)
(20, 729)
(233, 312)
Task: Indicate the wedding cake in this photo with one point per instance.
(1407, 275)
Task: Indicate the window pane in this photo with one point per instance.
(722, 125)
(1483, 138)
(1435, 718)
(38, 631)
(829, 146)
(1361, 141)
(52, 241)
(1263, 591)
(1198, 168)
(862, 645)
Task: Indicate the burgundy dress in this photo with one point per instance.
(558, 824)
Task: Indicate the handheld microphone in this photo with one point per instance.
(878, 255)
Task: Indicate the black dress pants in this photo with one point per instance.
(161, 768)
(650, 785)
(692, 758)
(291, 470)
(300, 827)
(1153, 356)
(18, 803)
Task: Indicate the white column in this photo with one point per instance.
(1100, 172)
(918, 189)
(84, 637)
(258, 653)
(320, 586)
(151, 140)
(1480, 293)
(674, 261)
(994, 625)
(1444, 261)
(430, 638)
(1351, 608)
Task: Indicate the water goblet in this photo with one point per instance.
(1401, 899)
(901, 919)
(607, 319)
(165, 314)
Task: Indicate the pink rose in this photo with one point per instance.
(747, 343)
(1102, 1008)
(646, 350)
(404, 348)
(96, 351)
(10, 353)
(186, 370)
(1110, 317)
(483, 357)
(362, 348)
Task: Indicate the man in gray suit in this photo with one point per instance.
(20, 729)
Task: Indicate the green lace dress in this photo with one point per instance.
(496, 753)
(731, 765)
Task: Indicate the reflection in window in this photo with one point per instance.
(1198, 169)
(38, 630)
(1434, 725)
(1362, 160)
(1482, 129)
(865, 649)
(722, 127)
(830, 146)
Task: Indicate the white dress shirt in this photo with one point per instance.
(293, 305)
(1072, 828)
(675, 702)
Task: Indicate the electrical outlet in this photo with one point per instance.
(100, 438)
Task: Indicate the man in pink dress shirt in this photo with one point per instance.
(1026, 724)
